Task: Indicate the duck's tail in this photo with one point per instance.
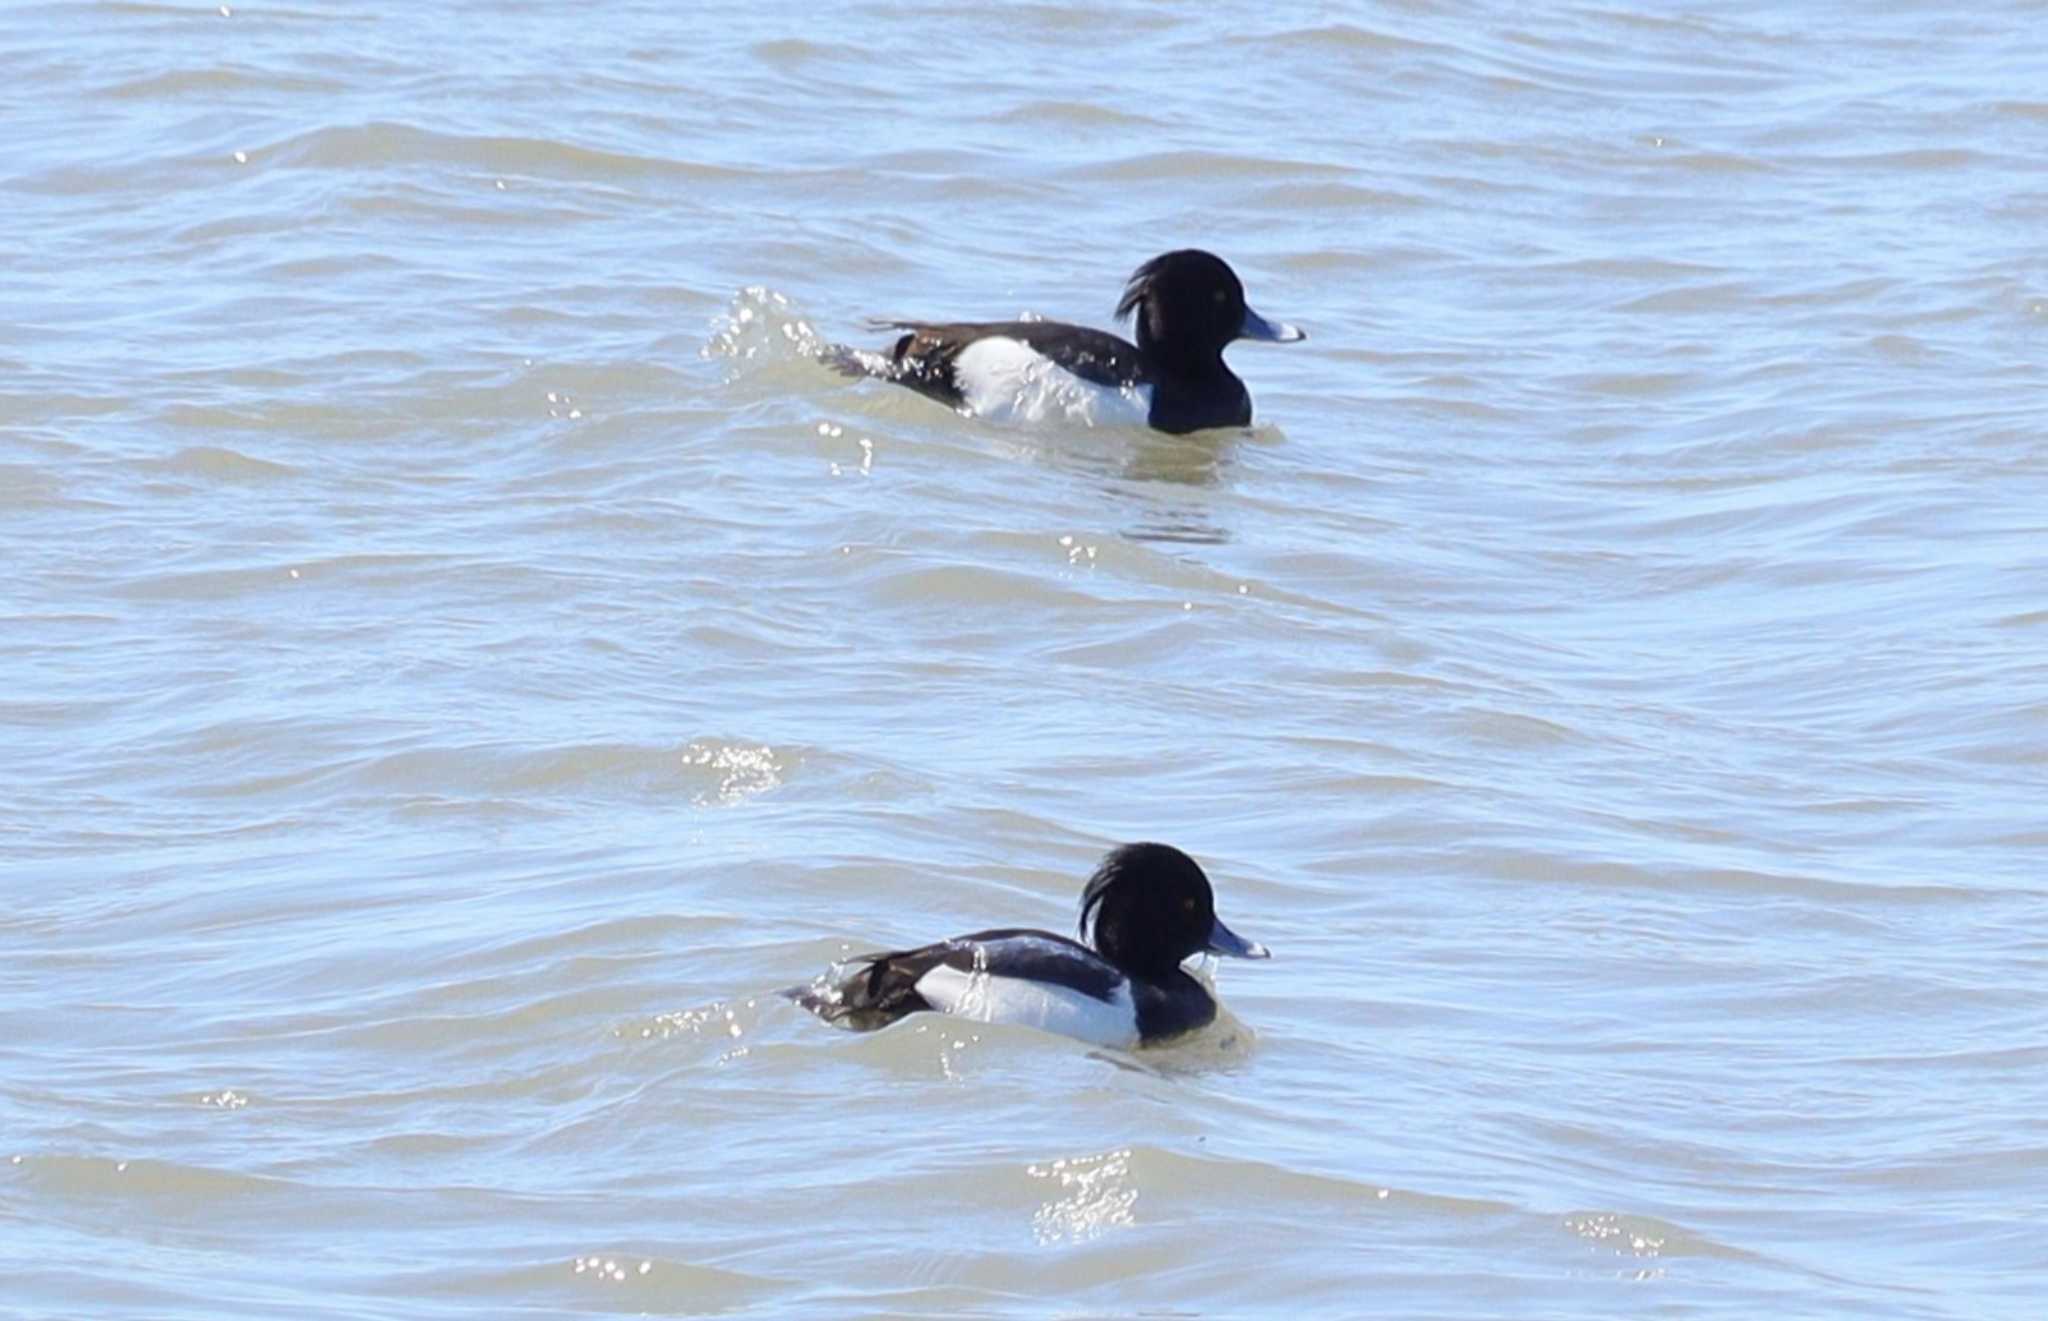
(857, 363)
(863, 994)
(884, 364)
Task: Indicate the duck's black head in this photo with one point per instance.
(1148, 907)
(1189, 304)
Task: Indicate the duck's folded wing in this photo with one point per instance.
(926, 357)
(1096, 356)
(1033, 978)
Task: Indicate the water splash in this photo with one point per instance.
(761, 327)
(1096, 1194)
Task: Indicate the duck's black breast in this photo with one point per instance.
(1199, 402)
(1172, 1005)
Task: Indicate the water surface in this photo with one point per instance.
(458, 657)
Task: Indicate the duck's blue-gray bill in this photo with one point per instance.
(1222, 940)
(1279, 332)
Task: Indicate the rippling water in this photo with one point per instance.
(460, 657)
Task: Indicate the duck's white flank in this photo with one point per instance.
(1006, 380)
(983, 998)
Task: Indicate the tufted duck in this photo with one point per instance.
(1189, 305)
(1146, 909)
